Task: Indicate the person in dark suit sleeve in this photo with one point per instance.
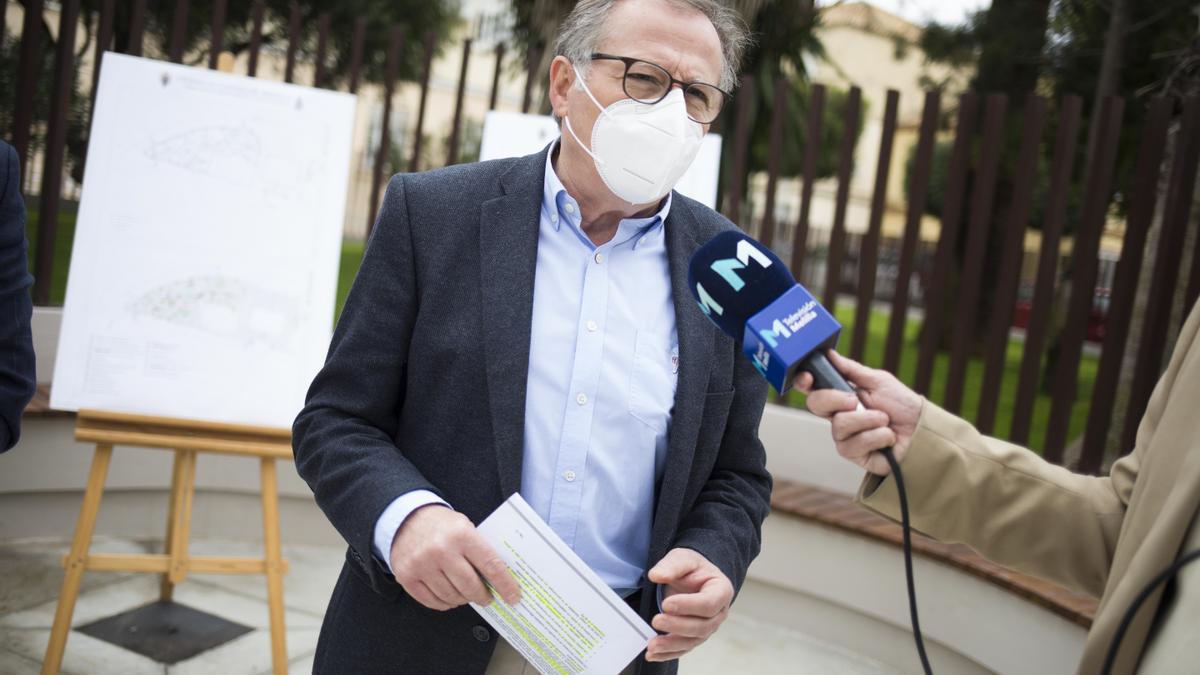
(17, 379)
(525, 326)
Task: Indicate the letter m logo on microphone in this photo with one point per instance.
(777, 330)
(785, 333)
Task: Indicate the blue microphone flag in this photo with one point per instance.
(785, 333)
(749, 293)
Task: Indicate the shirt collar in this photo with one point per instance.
(558, 205)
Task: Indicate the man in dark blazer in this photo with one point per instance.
(525, 325)
(17, 380)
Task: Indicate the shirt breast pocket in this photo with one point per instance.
(652, 382)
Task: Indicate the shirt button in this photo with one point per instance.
(569, 208)
(599, 258)
(581, 398)
(570, 476)
(482, 634)
(592, 326)
(554, 217)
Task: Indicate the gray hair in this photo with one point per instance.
(584, 27)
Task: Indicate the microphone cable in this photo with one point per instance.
(1141, 598)
(906, 529)
(825, 376)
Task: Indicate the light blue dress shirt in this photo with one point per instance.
(603, 359)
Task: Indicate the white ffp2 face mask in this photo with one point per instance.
(642, 150)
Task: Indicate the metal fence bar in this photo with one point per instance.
(496, 76)
(741, 139)
(391, 70)
(774, 156)
(216, 40)
(27, 79)
(868, 256)
(456, 123)
(983, 193)
(322, 47)
(1129, 268)
(1061, 169)
(256, 33)
(837, 236)
(178, 30)
(918, 191)
(137, 28)
(1166, 269)
(931, 328)
(415, 160)
(356, 52)
(533, 57)
(812, 152)
(1083, 282)
(104, 37)
(289, 72)
(56, 142)
(996, 347)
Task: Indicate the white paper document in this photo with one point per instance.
(568, 621)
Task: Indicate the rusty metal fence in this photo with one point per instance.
(978, 151)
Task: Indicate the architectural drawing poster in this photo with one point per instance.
(204, 268)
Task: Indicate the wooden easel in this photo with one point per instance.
(186, 438)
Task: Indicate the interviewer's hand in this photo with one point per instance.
(890, 419)
(438, 557)
(695, 603)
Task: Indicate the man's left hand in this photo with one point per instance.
(696, 601)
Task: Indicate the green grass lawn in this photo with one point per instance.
(873, 356)
(877, 335)
(352, 252)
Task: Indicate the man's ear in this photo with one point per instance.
(562, 78)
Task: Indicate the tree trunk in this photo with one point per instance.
(1137, 319)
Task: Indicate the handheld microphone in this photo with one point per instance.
(747, 292)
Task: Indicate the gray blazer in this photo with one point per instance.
(424, 387)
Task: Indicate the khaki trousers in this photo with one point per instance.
(508, 661)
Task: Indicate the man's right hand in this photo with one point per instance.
(889, 420)
(438, 557)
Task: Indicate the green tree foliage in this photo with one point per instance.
(1076, 35)
(416, 17)
(1153, 36)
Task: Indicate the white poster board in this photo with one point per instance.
(204, 269)
(509, 134)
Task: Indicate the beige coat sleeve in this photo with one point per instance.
(1007, 503)
(1011, 505)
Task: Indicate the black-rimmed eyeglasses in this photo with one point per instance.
(650, 83)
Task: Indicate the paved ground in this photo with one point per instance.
(30, 577)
